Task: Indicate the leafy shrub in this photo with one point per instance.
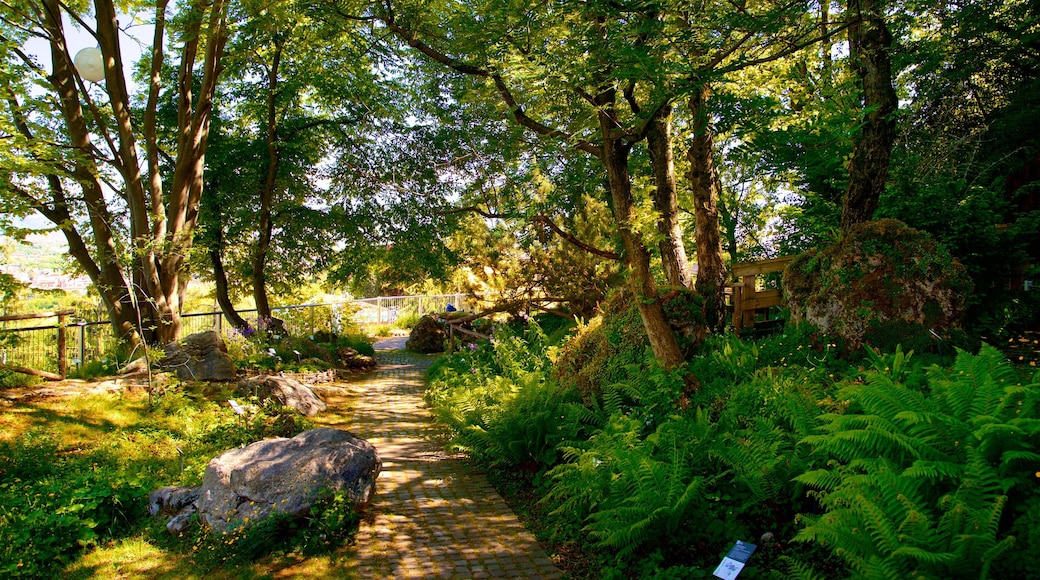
(53, 506)
(358, 342)
(496, 399)
(407, 321)
(924, 467)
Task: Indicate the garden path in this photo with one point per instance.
(433, 515)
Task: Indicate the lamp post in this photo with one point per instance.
(90, 64)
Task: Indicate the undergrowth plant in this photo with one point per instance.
(79, 477)
(634, 491)
(498, 403)
(924, 465)
(329, 523)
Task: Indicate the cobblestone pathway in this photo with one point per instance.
(432, 516)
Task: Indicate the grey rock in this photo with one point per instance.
(200, 357)
(286, 476)
(171, 499)
(427, 336)
(285, 390)
(179, 523)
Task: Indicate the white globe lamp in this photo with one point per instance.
(90, 64)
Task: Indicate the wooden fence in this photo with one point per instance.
(748, 301)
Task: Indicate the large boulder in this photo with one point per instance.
(287, 391)
(428, 336)
(882, 284)
(286, 476)
(199, 357)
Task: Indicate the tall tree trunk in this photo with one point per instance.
(194, 118)
(637, 257)
(711, 270)
(870, 44)
(104, 270)
(676, 265)
(267, 189)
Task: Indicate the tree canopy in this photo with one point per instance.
(378, 144)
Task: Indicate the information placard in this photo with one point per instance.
(735, 560)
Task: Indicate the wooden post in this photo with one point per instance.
(738, 308)
(62, 357)
(746, 297)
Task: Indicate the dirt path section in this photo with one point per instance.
(433, 516)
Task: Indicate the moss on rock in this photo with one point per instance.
(883, 283)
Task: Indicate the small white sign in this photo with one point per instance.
(728, 569)
(734, 561)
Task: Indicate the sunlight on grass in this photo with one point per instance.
(76, 420)
(106, 452)
(131, 558)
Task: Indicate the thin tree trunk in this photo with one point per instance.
(870, 42)
(676, 265)
(711, 270)
(194, 118)
(223, 299)
(105, 271)
(267, 189)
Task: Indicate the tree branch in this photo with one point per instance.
(569, 237)
(504, 92)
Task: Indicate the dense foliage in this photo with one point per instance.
(890, 464)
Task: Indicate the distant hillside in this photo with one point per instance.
(43, 252)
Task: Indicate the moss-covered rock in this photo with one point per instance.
(883, 283)
(615, 338)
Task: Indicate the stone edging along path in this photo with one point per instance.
(432, 516)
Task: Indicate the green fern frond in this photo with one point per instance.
(935, 471)
(822, 479)
(916, 554)
(798, 570)
(994, 553)
(869, 436)
(1015, 456)
(876, 519)
(979, 382)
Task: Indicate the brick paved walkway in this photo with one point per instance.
(432, 516)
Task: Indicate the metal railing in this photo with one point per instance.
(37, 347)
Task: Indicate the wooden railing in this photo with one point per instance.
(747, 299)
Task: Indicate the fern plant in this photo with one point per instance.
(635, 491)
(921, 471)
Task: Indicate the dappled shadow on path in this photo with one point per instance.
(433, 515)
